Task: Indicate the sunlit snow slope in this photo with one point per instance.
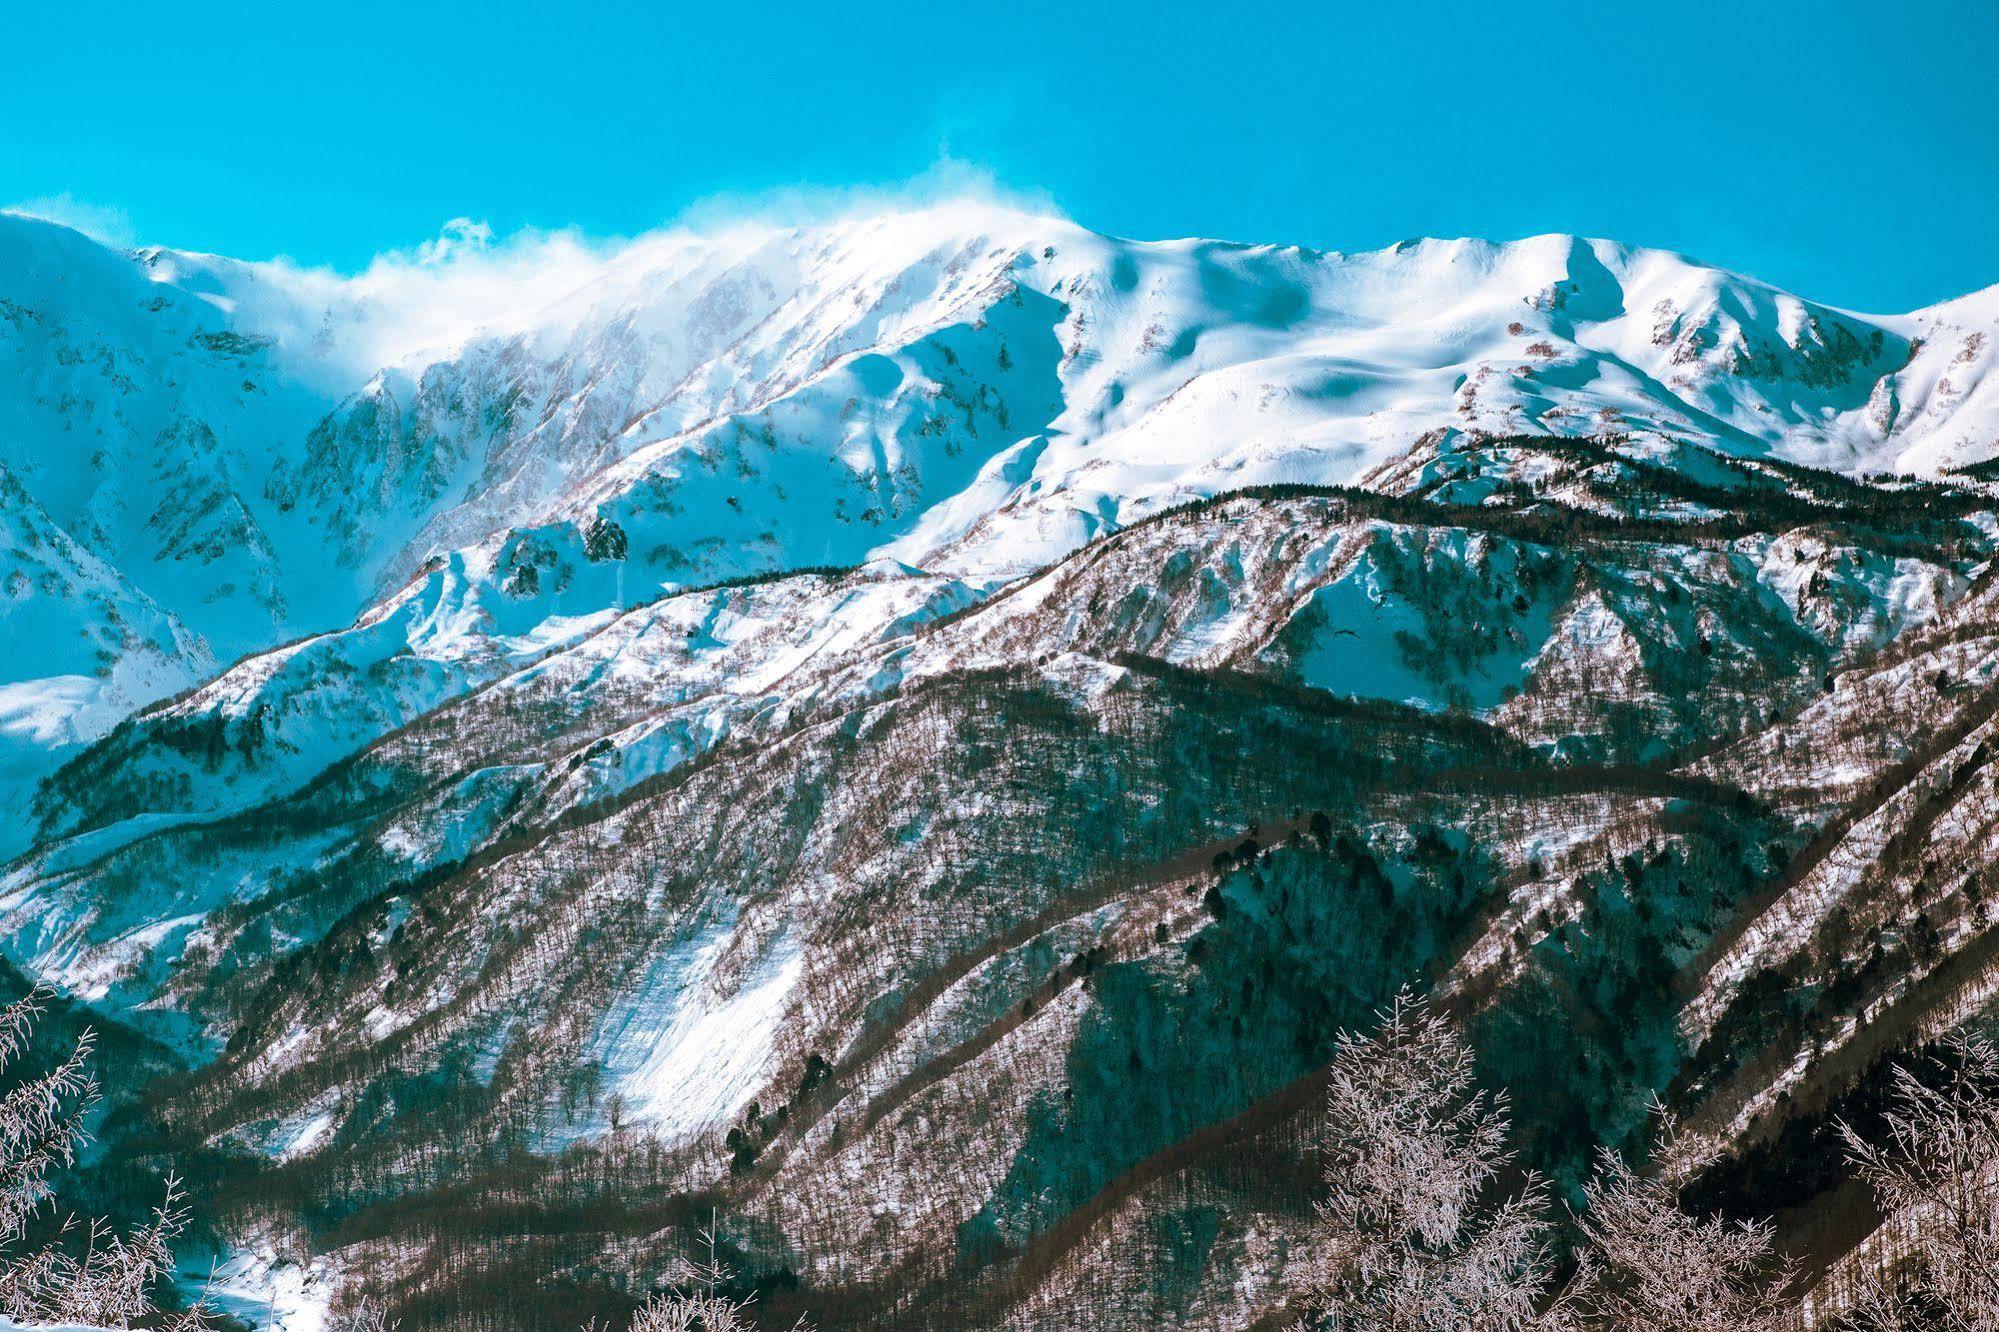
(203, 457)
(811, 697)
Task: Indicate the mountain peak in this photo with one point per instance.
(962, 386)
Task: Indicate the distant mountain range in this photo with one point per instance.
(913, 734)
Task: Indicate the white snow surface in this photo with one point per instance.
(690, 1050)
(216, 455)
(268, 1290)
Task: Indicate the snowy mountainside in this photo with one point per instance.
(215, 430)
(739, 817)
(917, 731)
(1938, 403)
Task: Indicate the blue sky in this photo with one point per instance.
(1847, 150)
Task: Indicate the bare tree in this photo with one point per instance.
(368, 1318)
(1407, 1241)
(1938, 1175)
(1646, 1265)
(701, 1306)
(1410, 1242)
(110, 1281)
(699, 1311)
(41, 1120)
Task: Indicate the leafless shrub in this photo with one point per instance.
(1938, 1177)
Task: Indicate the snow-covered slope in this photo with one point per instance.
(799, 695)
(259, 451)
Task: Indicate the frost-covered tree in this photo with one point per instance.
(1937, 1176)
(699, 1311)
(90, 1273)
(1647, 1265)
(1406, 1239)
(41, 1119)
(700, 1305)
(1410, 1240)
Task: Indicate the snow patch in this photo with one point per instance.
(684, 1059)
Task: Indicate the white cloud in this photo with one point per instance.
(459, 236)
(948, 181)
(110, 225)
(408, 304)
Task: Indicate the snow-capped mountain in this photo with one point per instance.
(961, 389)
(931, 722)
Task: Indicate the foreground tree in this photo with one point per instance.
(700, 1306)
(1937, 1175)
(1406, 1241)
(1646, 1265)
(1409, 1241)
(700, 1311)
(90, 1273)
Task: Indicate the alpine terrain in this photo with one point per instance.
(886, 755)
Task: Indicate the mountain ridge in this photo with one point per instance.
(910, 730)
